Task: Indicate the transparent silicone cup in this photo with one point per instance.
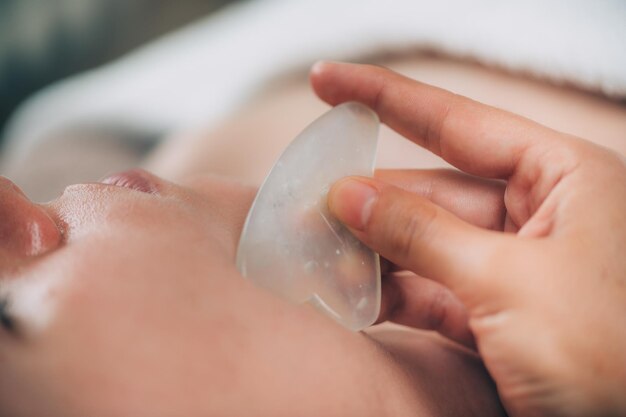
(290, 243)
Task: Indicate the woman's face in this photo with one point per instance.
(108, 289)
(122, 299)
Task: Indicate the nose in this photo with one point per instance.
(26, 229)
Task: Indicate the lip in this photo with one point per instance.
(134, 179)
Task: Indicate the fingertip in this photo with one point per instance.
(318, 73)
(318, 68)
(322, 77)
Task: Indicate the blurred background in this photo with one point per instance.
(44, 41)
(88, 87)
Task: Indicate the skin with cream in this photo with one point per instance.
(133, 306)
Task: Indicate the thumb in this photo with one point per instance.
(414, 233)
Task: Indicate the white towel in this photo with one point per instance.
(203, 72)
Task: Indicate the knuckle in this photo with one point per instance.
(494, 270)
(433, 131)
(411, 226)
(378, 100)
(437, 309)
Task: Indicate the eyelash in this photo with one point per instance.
(5, 318)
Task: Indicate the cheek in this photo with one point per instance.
(134, 331)
(144, 271)
(230, 223)
(223, 203)
(133, 297)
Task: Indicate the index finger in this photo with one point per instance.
(475, 200)
(474, 137)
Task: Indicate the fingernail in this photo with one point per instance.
(351, 201)
(320, 66)
(317, 67)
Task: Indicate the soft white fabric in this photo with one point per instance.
(206, 70)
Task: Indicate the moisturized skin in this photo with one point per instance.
(126, 301)
(148, 317)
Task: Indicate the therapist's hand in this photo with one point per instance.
(537, 266)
